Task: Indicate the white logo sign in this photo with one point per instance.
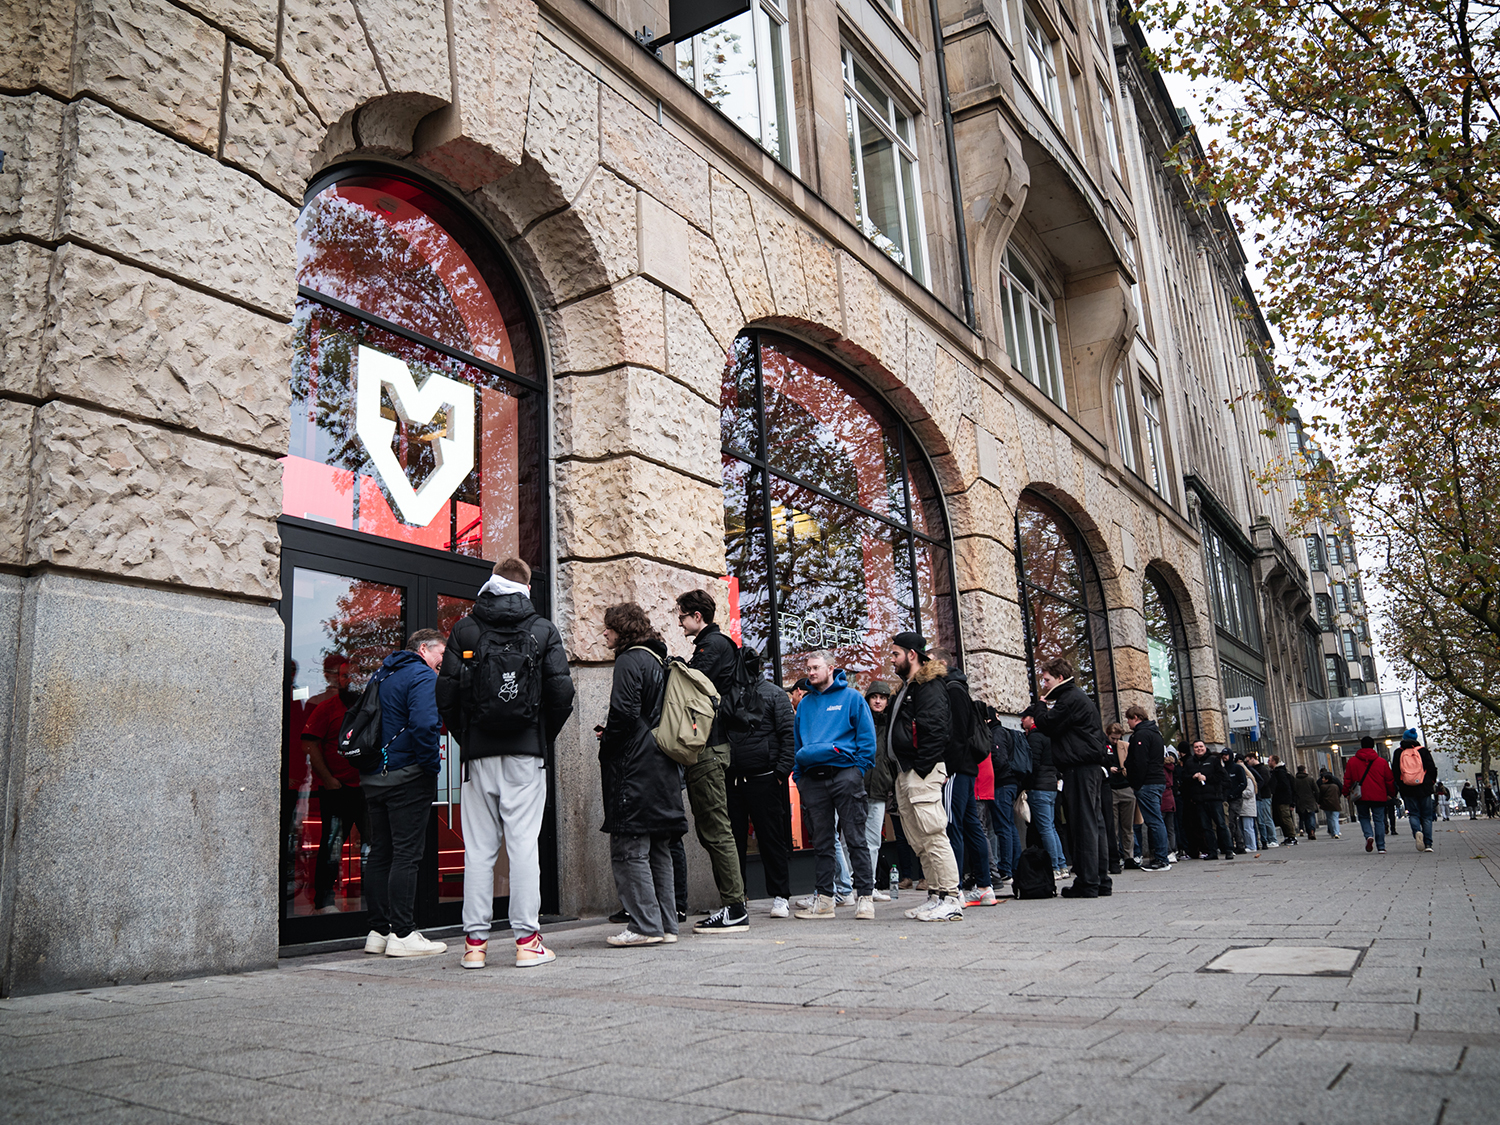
(509, 688)
(454, 450)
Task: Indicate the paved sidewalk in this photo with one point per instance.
(1030, 1012)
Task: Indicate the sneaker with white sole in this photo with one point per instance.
(947, 909)
(630, 937)
(531, 953)
(474, 954)
(849, 899)
(375, 942)
(725, 920)
(821, 908)
(922, 907)
(981, 896)
(413, 945)
(805, 903)
(780, 908)
(864, 909)
(881, 896)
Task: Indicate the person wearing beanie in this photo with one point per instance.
(1369, 773)
(880, 782)
(1416, 777)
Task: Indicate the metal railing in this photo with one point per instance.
(1348, 718)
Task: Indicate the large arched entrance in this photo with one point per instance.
(415, 462)
(1171, 671)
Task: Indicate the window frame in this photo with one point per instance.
(1315, 560)
(1124, 424)
(1040, 316)
(1040, 51)
(1155, 434)
(1107, 120)
(887, 121)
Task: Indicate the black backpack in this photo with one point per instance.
(361, 738)
(741, 707)
(981, 743)
(1034, 878)
(1020, 756)
(502, 681)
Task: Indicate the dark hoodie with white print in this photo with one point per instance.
(503, 604)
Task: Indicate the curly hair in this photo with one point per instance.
(631, 625)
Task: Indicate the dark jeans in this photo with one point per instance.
(679, 873)
(398, 838)
(1309, 823)
(1148, 800)
(763, 800)
(339, 809)
(843, 793)
(1372, 820)
(1419, 813)
(1211, 824)
(966, 831)
(1082, 792)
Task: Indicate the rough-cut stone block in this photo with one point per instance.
(821, 269)
(138, 344)
(132, 500)
(562, 122)
(650, 157)
(411, 41)
(1000, 680)
(712, 294)
(980, 559)
(619, 326)
(519, 198)
(631, 410)
(389, 124)
(254, 21)
(325, 51)
(15, 478)
(783, 257)
(30, 135)
(664, 245)
(268, 128)
(630, 506)
(694, 357)
(586, 589)
(991, 622)
(154, 61)
(738, 242)
(23, 306)
(860, 290)
(593, 243)
(149, 198)
(36, 42)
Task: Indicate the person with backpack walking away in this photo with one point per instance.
(1306, 791)
(1330, 800)
(969, 743)
(504, 691)
(921, 724)
(1042, 792)
(1145, 770)
(718, 658)
(1369, 781)
(760, 760)
(399, 794)
(1072, 722)
(1416, 777)
(640, 785)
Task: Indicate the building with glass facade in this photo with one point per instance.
(312, 311)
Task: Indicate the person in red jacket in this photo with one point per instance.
(1377, 786)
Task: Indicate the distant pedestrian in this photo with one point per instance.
(1146, 770)
(1072, 722)
(1283, 800)
(1369, 772)
(1330, 800)
(1416, 780)
(1471, 798)
(1306, 789)
(1265, 824)
(1443, 796)
(1246, 809)
(1121, 800)
(880, 782)
(1170, 809)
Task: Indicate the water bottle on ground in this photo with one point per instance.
(895, 882)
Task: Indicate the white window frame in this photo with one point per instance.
(1107, 112)
(1135, 284)
(1041, 62)
(1156, 443)
(1123, 425)
(911, 254)
(1027, 310)
(768, 20)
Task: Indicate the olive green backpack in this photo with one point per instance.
(689, 703)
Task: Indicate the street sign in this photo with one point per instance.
(1242, 712)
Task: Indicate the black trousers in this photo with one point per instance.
(339, 810)
(764, 801)
(1083, 805)
(845, 793)
(1211, 824)
(398, 838)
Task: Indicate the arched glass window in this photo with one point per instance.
(833, 528)
(1171, 674)
(416, 412)
(1062, 603)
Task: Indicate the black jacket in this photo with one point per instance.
(642, 787)
(716, 655)
(505, 611)
(961, 709)
(1263, 783)
(1282, 792)
(1074, 726)
(922, 720)
(1211, 788)
(1429, 775)
(771, 744)
(1044, 771)
(1143, 763)
(880, 782)
(1118, 778)
(1006, 774)
(1305, 786)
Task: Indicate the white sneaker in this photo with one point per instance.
(630, 937)
(865, 910)
(981, 896)
(375, 942)
(821, 908)
(805, 903)
(947, 909)
(412, 945)
(780, 908)
(881, 896)
(849, 899)
(922, 907)
(1272, 844)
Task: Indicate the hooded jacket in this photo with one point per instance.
(716, 655)
(1263, 785)
(1143, 762)
(1074, 726)
(880, 782)
(503, 604)
(1370, 772)
(834, 728)
(768, 746)
(1043, 769)
(641, 786)
(961, 725)
(1211, 788)
(1330, 793)
(1283, 792)
(1169, 793)
(1305, 786)
(408, 712)
(921, 719)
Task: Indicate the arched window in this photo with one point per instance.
(416, 405)
(1062, 603)
(1171, 673)
(833, 527)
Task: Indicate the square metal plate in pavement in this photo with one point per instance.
(1289, 960)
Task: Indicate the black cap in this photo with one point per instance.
(804, 684)
(912, 641)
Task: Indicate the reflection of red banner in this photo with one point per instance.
(734, 608)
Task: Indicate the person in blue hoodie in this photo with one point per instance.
(399, 796)
(835, 749)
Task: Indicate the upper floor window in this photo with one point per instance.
(1351, 646)
(1341, 597)
(883, 161)
(1041, 64)
(1156, 450)
(1325, 613)
(1314, 553)
(1368, 665)
(741, 66)
(1335, 552)
(1335, 676)
(1232, 587)
(1107, 112)
(1030, 327)
(1128, 246)
(1122, 419)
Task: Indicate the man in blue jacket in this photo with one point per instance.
(835, 749)
(399, 796)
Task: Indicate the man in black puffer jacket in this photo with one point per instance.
(760, 761)
(504, 762)
(1072, 722)
(966, 834)
(1203, 791)
(1148, 777)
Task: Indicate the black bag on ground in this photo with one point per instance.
(361, 738)
(1034, 878)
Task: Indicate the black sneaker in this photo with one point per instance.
(728, 920)
(620, 918)
(1076, 891)
(1129, 865)
(681, 916)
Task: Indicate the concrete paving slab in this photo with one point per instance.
(1288, 960)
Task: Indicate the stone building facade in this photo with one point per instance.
(214, 213)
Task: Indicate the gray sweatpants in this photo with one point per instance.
(503, 798)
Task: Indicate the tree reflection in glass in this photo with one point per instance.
(1054, 593)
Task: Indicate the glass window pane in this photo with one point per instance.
(870, 90)
(1023, 335)
(1048, 553)
(748, 565)
(778, 131)
(724, 58)
(859, 198)
(737, 425)
(882, 218)
(935, 589)
(911, 193)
